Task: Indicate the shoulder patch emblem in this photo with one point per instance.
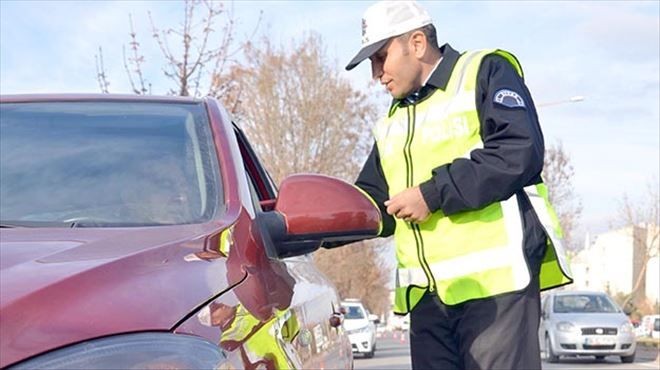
(509, 99)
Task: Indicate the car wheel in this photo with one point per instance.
(550, 355)
(628, 359)
(370, 354)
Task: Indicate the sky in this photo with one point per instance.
(605, 51)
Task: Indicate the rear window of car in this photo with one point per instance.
(580, 303)
(102, 164)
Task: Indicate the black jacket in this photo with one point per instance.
(511, 157)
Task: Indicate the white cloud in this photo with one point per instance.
(622, 32)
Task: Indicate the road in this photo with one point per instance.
(393, 352)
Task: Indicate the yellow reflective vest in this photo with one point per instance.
(472, 254)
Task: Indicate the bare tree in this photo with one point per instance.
(558, 175)
(302, 116)
(196, 58)
(135, 60)
(100, 72)
(643, 219)
(186, 68)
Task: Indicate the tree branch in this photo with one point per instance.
(101, 77)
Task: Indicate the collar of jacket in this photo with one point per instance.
(438, 79)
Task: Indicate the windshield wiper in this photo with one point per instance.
(87, 223)
(93, 223)
(10, 224)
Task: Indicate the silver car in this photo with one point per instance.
(584, 323)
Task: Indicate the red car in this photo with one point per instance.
(143, 232)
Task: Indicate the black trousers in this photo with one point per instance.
(491, 333)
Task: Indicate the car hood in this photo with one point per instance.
(613, 320)
(61, 286)
(355, 324)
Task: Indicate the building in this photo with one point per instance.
(612, 262)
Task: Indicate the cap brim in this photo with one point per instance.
(365, 53)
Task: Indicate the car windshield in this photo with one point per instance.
(101, 164)
(579, 303)
(354, 313)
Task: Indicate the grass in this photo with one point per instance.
(648, 342)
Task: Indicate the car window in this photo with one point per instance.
(579, 303)
(261, 183)
(107, 164)
(354, 313)
(656, 325)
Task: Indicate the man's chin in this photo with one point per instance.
(397, 95)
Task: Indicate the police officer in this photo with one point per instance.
(456, 171)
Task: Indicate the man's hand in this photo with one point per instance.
(409, 205)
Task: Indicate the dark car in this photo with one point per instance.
(143, 232)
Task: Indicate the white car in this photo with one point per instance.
(360, 327)
(585, 323)
(649, 327)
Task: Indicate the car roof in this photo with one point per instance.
(25, 98)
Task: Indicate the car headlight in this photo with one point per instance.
(566, 326)
(133, 351)
(626, 328)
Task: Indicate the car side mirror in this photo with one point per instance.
(314, 209)
(374, 318)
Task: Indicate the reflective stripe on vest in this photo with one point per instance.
(555, 268)
(469, 255)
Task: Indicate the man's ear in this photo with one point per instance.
(418, 44)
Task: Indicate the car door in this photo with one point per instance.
(314, 301)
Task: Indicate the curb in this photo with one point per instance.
(648, 343)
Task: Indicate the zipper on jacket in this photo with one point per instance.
(407, 153)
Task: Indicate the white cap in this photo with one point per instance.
(384, 20)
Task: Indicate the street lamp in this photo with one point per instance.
(572, 99)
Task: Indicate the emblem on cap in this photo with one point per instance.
(365, 38)
(509, 99)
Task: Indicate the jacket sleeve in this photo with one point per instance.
(512, 153)
(372, 180)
